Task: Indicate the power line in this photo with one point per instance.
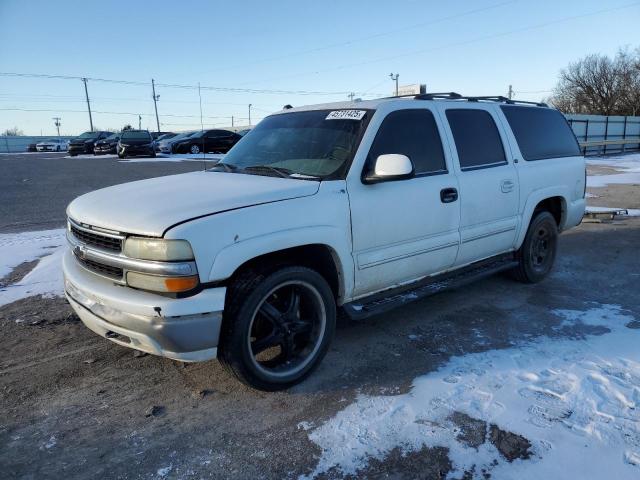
(368, 37)
(173, 85)
(457, 44)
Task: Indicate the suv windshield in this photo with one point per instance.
(316, 143)
(135, 135)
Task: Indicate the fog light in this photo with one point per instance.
(157, 283)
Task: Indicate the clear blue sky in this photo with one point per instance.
(473, 47)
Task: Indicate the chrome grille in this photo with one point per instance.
(102, 269)
(95, 239)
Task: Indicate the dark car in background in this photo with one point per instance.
(85, 143)
(107, 145)
(207, 141)
(136, 142)
(32, 147)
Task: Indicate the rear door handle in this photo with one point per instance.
(507, 186)
(448, 195)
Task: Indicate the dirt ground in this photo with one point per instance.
(77, 406)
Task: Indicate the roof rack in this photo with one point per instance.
(457, 96)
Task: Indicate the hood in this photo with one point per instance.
(82, 141)
(149, 207)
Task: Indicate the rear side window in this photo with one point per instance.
(541, 132)
(412, 133)
(477, 139)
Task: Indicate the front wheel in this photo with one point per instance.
(538, 251)
(195, 149)
(277, 327)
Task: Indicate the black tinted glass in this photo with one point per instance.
(477, 139)
(541, 132)
(412, 133)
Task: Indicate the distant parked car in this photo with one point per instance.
(136, 142)
(164, 136)
(107, 145)
(242, 133)
(85, 143)
(32, 147)
(164, 145)
(52, 145)
(208, 141)
(156, 135)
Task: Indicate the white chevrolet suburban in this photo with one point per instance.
(362, 206)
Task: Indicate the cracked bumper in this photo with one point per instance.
(185, 329)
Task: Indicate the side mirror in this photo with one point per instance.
(389, 167)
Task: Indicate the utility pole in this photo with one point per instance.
(200, 98)
(155, 102)
(249, 114)
(396, 80)
(86, 93)
(57, 124)
(139, 122)
(351, 95)
(510, 94)
(232, 121)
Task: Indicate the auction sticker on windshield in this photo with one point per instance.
(346, 115)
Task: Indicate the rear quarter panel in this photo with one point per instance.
(541, 179)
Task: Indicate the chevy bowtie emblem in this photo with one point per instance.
(80, 251)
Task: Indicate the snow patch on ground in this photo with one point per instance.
(627, 165)
(46, 278)
(576, 400)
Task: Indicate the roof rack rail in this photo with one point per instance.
(500, 98)
(457, 96)
(443, 95)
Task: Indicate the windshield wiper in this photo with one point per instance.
(280, 171)
(226, 166)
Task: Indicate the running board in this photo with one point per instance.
(389, 299)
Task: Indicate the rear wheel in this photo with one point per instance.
(538, 251)
(277, 327)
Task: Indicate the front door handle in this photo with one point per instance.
(448, 195)
(507, 186)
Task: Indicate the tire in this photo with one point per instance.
(58, 148)
(538, 251)
(120, 155)
(194, 149)
(288, 348)
(153, 155)
(73, 154)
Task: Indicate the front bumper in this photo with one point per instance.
(137, 150)
(80, 149)
(185, 329)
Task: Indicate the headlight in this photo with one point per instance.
(157, 249)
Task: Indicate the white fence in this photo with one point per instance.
(598, 134)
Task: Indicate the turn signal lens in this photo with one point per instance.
(156, 283)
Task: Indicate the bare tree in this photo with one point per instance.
(13, 132)
(597, 84)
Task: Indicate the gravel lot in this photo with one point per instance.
(77, 406)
